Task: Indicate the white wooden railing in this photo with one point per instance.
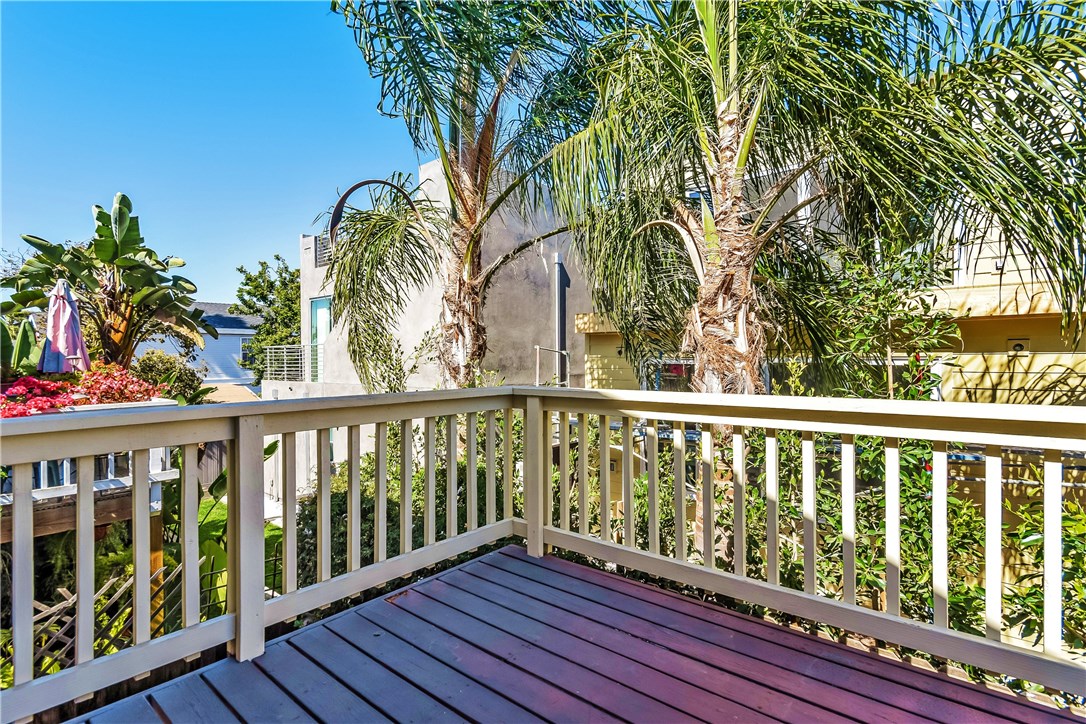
(575, 513)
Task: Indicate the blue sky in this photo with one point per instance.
(231, 125)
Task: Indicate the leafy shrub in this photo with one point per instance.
(180, 378)
(1025, 608)
(308, 514)
(108, 383)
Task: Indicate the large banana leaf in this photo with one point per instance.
(114, 271)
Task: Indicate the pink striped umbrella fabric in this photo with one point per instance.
(64, 348)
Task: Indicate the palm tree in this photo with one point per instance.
(473, 81)
(736, 149)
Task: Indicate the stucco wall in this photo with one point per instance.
(1049, 370)
(518, 311)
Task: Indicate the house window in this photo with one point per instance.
(320, 326)
(246, 352)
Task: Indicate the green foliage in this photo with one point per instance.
(878, 310)
(19, 350)
(126, 294)
(382, 256)
(275, 294)
(1025, 607)
(182, 380)
(308, 513)
(755, 149)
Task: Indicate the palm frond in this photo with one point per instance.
(926, 123)
(382, 257)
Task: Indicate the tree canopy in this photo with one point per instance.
(275, 294)
(736, 149)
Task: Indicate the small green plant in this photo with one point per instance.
(1025, 607)
(19, 350)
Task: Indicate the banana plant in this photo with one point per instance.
(19, 350)
(125, 292)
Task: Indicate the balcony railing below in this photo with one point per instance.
(294, 363)
(322, 250)
(536, 471)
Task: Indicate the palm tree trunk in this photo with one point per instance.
(462, 343)
(724, 333)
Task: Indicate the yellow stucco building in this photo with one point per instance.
(605, 367)
(1011, 350)
(1012, 346)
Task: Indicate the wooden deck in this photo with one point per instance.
(508, 638)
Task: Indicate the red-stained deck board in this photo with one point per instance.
(792, 672)
(509, 638)
(584, 681)
(669, 611)
(466, 696)
(770, 690)
(325, 698)
(702, 691)
(398, 698)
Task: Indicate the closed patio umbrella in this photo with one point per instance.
(64, 349)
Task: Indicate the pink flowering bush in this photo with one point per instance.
(30, 395)
(103, 383)
(106, 383)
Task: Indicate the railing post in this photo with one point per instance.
(535, 480)
(245, 510)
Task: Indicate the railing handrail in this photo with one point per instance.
(1024, 426)
(1063, 420)
(79, 420)
(846, 405)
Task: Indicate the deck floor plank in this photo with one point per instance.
(488, 670)
(323, 696)
(887, 673)
(749, 681)
(133, 710)
(661, 676)
(459, 692)
(610, 694)
(190, 699)
(398, 698)
(510, 638)
(779, 667)
(252, 695)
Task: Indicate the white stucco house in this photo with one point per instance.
(519, 313)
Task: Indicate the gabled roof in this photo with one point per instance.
(218, 315)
